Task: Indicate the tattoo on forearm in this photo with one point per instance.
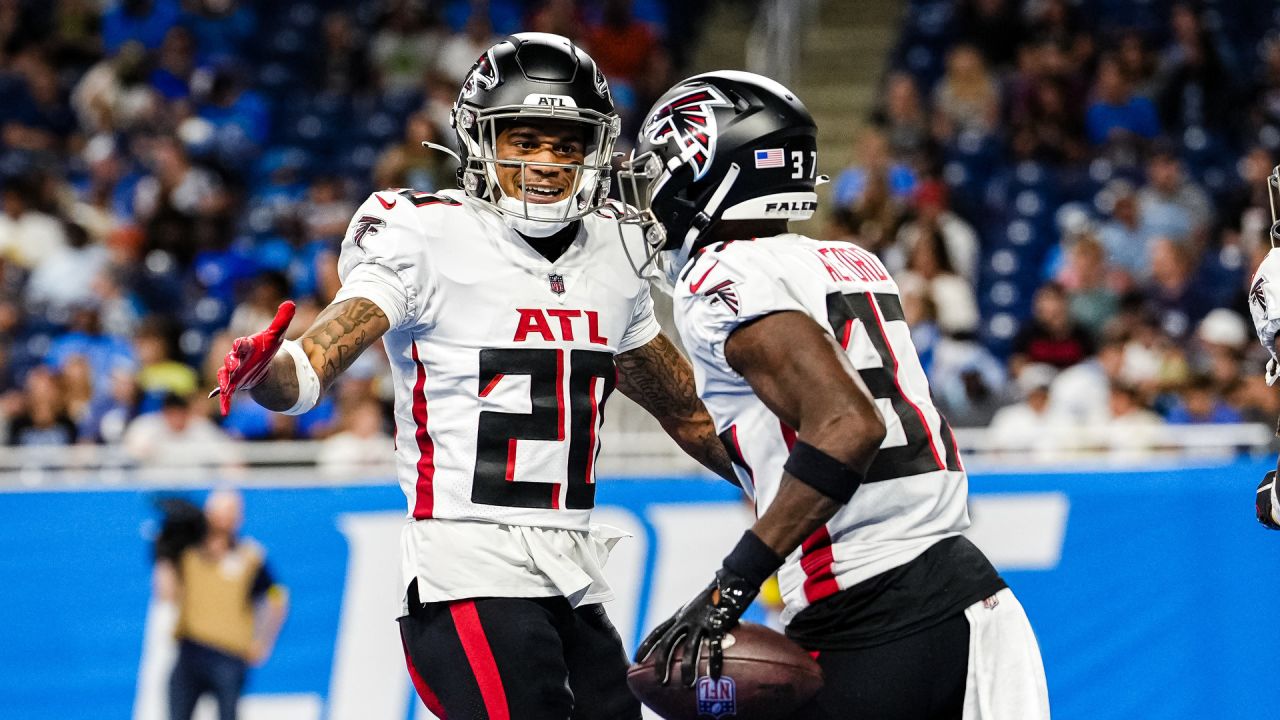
(660, 380)
(340, 333)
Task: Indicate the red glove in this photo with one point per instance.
(247, 363)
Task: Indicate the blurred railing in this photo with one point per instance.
(627, 453)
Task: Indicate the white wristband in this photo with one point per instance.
(308, 381)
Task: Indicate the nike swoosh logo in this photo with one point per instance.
(693, 287)
(386, 205)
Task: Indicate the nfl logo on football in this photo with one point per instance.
(716, 698)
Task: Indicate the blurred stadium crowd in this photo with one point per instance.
(1071, 195)
(172, 169)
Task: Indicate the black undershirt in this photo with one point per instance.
(940, 583)
(553, 246)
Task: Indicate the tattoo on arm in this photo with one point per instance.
(337, 337)
(658, 378)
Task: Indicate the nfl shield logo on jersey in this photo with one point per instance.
(557, 283)
(717, 698)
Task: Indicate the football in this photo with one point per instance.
(765, 677)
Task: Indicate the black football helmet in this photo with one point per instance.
(535, 76)
(724, 145)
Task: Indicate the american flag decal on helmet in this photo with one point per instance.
(725, 293)
(366, 225)
(691, 120)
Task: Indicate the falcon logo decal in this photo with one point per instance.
(1258, 297)
(690, 119)
(724, 293)
(483, 76)
(366, 225)
(602, 85)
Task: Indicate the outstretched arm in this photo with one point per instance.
(658, 378)
(337, 337)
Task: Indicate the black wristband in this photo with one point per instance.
(752, 560)
(822, 472)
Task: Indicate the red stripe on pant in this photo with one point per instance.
(428, 698)
(480, 656)
(816, 561)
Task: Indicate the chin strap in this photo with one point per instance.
(702, 220)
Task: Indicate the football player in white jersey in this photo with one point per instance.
(1264, 306)
(802, 355)
(509, 313)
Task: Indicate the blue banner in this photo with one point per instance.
(1152, 592)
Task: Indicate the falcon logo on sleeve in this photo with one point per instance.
(690, 119)
(725, 293)
(366, 225)
(1257, 296)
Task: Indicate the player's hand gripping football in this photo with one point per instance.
(1267, 505)
(707, 617)
(247, 363)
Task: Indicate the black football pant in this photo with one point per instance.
(199, 670)
(517, 659)
(918, 677)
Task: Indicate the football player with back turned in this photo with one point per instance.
(803, 358)
(1264, 306)
(504, 307)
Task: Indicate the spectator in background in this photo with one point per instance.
(1199, 403)
(41, 120)
(408, 164)
(902, 118)
(1170, 204)
(873, 165)
(460, 51)
(1136, 63)
(84, 336)
(360, 445)
(1046, 126)
(76, 38)
(327, 211)
(181, 204)
(237, 118)
(1196, 83)
(230, 610)
(344, 67)
(108, 413)
(114, 96)
(43, 420)
(177, 436)
(1028, 425)
(1052, 337)
(405, 46)
(1116, 113)
(175, 64)
(27, 235)
(933, 216)
(1130, 427)
(929, 271)
(967, 98)
(1174, 299)
(1124, 238)
(623, 47)
(159, 373)
(268, 291)
(1223, 337)
(65, 277)
(1086, 277)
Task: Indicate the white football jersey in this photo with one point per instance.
(915, 490)
(502, 359)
